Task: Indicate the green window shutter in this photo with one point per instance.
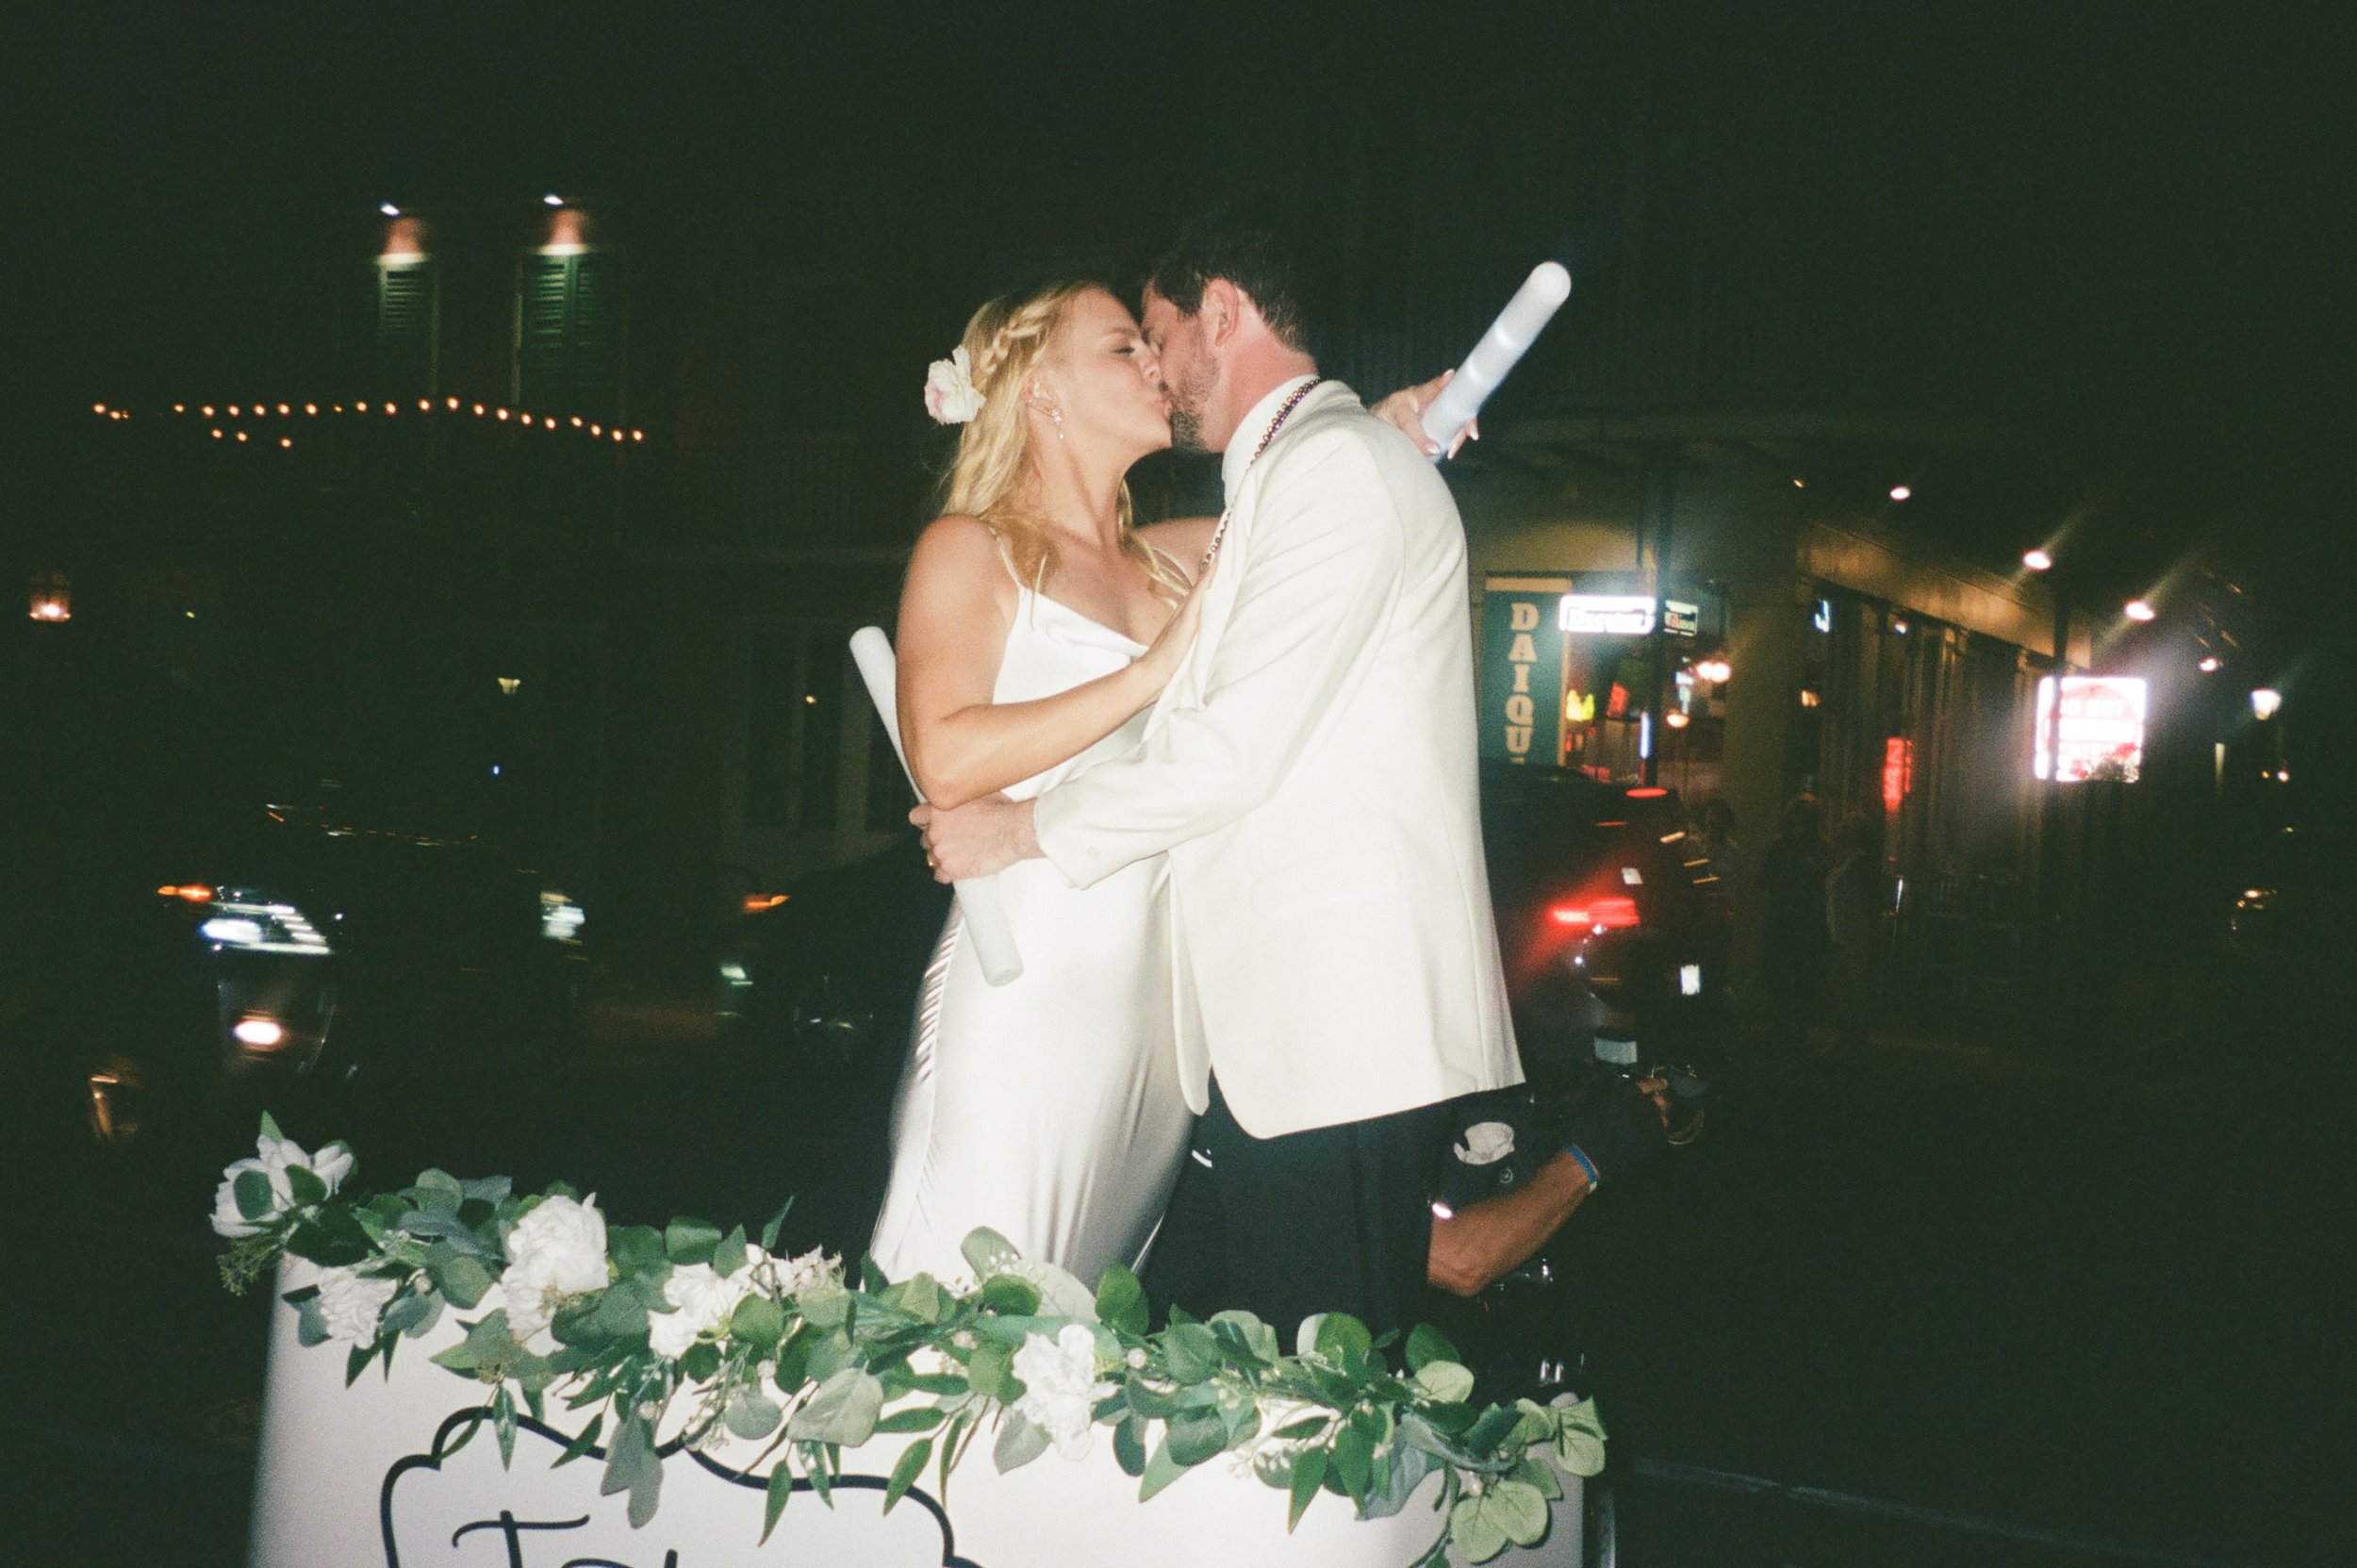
(569, 322)
(408, 302)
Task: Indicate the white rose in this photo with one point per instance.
(275, 1157)
(702, 1301)
(1061, 1388)
(229, 1219)
(950, 395)
(353, 1304)
(557, 1250)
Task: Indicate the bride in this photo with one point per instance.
(1036, 626)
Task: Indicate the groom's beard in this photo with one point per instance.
(1187, 399)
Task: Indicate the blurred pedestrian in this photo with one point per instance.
(1853, 914)
(1792, 880)
(1715, 840)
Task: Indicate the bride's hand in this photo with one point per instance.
(1162, 659)
(1405, 408)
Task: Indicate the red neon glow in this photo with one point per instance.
(1612, 912)
(1647, 792)
(1898, 772)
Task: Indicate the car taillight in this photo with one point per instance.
(1613, 912)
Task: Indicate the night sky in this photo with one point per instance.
(2106, 228)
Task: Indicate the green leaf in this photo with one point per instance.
(1020, 1441)
(1354, 1461)
(700, 1361)
(270, 1126)
(357, 1363)
(988, 1252)
(1129, 1444)
(1149, 1401)
(437, 1188)
(331, 1238)
(587, 1440)
(461, 1277)
(1519, 1510)
(1446, 1381)
(758, 1321)
(1396, 1479)
(1339, 1338)
(1474, 1532)
(1194, 1436)
(1006, 1294)
(1161, 1469)
(776, 1223)
(904, 1472)
(1192, 1352)
(1258, 1339)
(815, 1468)
(920, 1418)
(637, 1249)
(504, 1423)
(1309, 1474)
(988, 1369)
(794, 1357)
(305, 1186)
(1579, 1442)
(1121, 1301)
(414, 1314)
(1426, 1345)
(254, 1198)
(731, 1253)
(826, 1305)
(843, 1410)
(751, 1416)
(779, 1490)
(690, 1241)
(1494, 1427)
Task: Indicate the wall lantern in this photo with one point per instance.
(52, 598)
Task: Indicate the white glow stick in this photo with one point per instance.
(985, 914)
(1509, 338)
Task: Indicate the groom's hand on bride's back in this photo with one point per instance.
(975, 839)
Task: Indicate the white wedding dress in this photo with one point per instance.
(1047, 1109)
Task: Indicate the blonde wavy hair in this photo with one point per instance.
(991, 478)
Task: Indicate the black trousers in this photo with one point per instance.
(1335, 1219)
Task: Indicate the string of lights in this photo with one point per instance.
(223, 417)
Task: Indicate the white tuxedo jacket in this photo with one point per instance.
(1310, 772)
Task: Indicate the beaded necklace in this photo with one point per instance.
(1284, 412)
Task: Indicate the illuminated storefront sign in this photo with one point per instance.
(1521, 669)
(1681, 620)
(2101, 728)
(1615, 615)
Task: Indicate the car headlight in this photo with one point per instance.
(561, 919)
(253, 922)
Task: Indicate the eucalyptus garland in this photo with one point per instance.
(712, 1335)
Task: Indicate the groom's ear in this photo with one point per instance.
(1222, 311)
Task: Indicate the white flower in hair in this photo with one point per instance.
(951, 396)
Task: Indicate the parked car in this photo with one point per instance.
(292, 943)
(1604, 914)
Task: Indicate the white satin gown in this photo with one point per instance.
(1047, 1109)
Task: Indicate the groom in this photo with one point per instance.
(1310, 774)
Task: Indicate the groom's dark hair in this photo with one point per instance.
(1251, 245)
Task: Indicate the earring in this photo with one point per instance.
(1057, 414)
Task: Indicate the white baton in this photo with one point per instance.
(1510, 337)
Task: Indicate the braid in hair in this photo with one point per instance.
(989, 478)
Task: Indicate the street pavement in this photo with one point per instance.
(1948, 1298)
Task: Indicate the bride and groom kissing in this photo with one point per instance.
(1224, 772)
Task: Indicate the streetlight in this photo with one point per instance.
(1899, 492)
(2037, 560)
(1714, 670)
(2210, 664)
(2265, 701)
(2138, 610)
(52, 599)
